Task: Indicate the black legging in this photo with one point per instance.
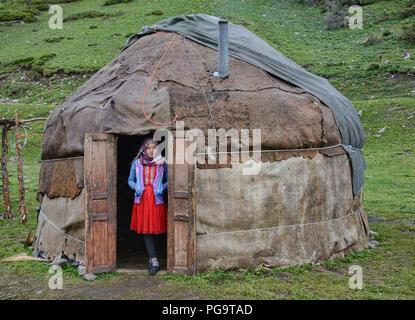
(151, 241)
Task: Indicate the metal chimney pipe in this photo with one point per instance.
(223, 50)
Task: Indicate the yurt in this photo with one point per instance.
(304, 205)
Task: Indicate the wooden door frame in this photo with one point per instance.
(181, 220)
(181, 213)
(109, 234)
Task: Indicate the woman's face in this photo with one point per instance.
(151, 149)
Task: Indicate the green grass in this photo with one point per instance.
(390, 177)
(74, 54)
(39, 67)
(293, 29)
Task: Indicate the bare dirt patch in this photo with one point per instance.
(143, 287)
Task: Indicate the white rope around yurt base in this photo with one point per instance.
(351, 213)
(59, 229)
(278, 150)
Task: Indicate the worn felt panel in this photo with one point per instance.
(61, 178)
(277, 219)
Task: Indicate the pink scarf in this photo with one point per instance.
(145, 159)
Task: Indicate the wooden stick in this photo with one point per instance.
(5, 174)
(8, 124)
(4, 121)
(32, 120)
(22, 203)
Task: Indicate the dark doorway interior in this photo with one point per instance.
(131, 252)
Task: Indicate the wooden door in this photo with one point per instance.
(100, 168)
(181, 212)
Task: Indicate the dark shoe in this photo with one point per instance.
(153, 268)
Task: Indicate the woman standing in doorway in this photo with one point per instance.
(148, 177)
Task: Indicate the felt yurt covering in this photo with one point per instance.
(304, 206)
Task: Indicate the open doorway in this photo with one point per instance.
(109, 202)
(131, 251)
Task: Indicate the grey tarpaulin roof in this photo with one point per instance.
(246, 46)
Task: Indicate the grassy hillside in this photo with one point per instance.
(39, 67)
(360, 63)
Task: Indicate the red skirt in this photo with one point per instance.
(147, 217)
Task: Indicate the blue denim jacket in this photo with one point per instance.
(136, 182)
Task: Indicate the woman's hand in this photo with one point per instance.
(137, 189)
(159, 192)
